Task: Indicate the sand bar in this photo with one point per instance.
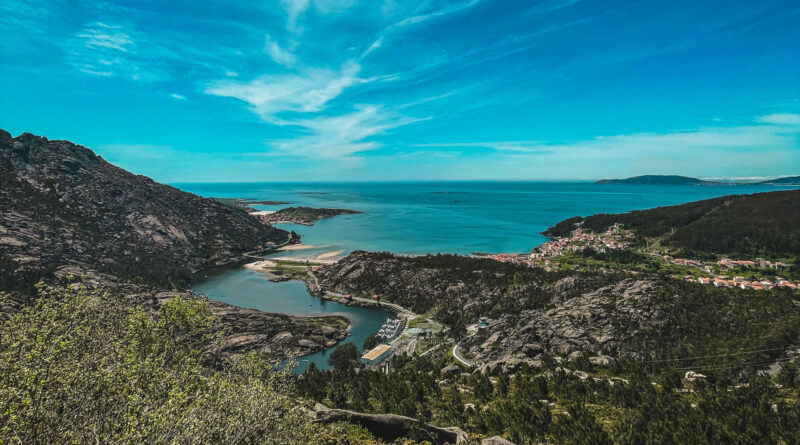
(297, 247)
(329, 254)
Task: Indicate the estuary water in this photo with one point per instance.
(251, 289)
(420, 218)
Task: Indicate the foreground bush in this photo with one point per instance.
(78, 367)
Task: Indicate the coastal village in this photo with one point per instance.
(756, 274)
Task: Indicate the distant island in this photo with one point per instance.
(687, 180)
(659, 180)
(304, 215)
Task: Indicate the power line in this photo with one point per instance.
(713, 356)
(733, 365)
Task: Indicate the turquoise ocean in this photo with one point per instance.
(454, 217)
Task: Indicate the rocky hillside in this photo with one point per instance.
(65, 210)
(606, 315)
(761, 224)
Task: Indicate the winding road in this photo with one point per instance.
(457, 356)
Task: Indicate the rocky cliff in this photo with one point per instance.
(65, 210)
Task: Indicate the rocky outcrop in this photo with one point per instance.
(63, 206)
(597, 322)
(389, 427)
(496, 440)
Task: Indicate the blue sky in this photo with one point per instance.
(349, 90)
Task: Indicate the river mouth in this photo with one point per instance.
(251, 289)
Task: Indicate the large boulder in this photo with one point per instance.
(496, 440)
(389, 427)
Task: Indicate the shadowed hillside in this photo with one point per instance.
(65, 210)
(762, 224)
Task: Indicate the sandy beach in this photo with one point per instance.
(296, 247)
(262, 266)
(327, 255)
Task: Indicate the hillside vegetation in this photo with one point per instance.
(762, 224)
(77, 367)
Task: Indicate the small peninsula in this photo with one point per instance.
(246, 203)
(304, 215)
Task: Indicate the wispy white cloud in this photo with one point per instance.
(101, 35)
(441, 12)
(723, 140)
(294, 8)
(301, 100)
(310, 91)
(279, 54)
(780, 119)
(549, 6)
(425, 100)
(415, 19)
(340, 136)
(703, 151)
(108, 50)
(177, 96)
(500, 146)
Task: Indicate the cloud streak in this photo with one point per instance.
(340, 136)
(110, 50)
(780, 119)
(702, 151)
(271, 95)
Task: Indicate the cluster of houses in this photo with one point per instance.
(742, 283)
(579, 240)
(685, 262)
(614, 238)
(759, 263)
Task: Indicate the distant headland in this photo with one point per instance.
(686, 180)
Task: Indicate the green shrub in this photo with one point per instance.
(80, 367)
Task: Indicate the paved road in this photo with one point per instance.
(458, 357)
(258, 253)
(431, 350)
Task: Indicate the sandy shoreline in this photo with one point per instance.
(272, 262)
(296, 247)
(262, 266)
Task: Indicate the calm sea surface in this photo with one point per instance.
(455, 217)
(419, 218)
